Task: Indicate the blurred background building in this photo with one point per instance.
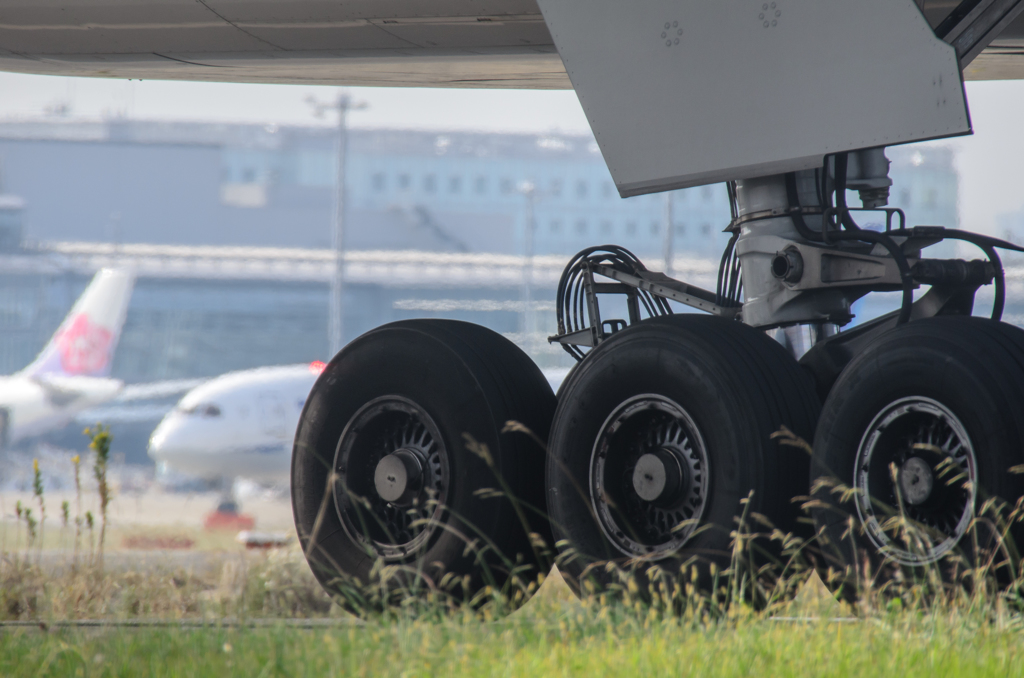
(228, 229)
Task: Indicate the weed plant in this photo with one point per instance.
(767, 576)
(766, 571)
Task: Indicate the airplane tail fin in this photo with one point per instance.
(84, 343)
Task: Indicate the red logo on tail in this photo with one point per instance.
(84, 347)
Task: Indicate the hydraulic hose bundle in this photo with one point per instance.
(572, 297)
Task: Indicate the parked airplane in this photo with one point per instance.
(241, 424)
(71, 372)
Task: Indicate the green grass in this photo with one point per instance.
(905, 626)
(577, 642)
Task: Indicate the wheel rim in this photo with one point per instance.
(935, 480)
(391, 477)
(649, 477)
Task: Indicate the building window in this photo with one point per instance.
(430, 183)
(581, 189)
(556, 188)
(931, 198)
(403, 182)
(606, 189)
(378, 181)
(454, 184)
(480, 186)
(631, 228)
(705, 193)
(705, 229)
(581, 227)
(555, 226)
(655, 228)
(680, 229)
(506, 186)
(606, 228)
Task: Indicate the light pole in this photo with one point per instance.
(335, 316)
(529, 191)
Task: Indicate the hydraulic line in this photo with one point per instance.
(571, 302)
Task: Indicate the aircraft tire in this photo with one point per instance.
(427, 400)
(694, 400)
(929, 418)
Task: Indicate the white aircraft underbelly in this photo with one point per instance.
(418, 43)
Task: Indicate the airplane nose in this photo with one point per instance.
(166, 438)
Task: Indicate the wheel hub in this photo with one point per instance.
(398, 477)
(916, 461)
(916, 481)
(649, 476)
(659, 477)
(392, 477)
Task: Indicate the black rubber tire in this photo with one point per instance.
(470, 381)
(972, 366)
(739, 387)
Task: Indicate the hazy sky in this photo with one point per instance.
(990, 161)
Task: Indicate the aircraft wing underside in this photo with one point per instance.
(421, 43)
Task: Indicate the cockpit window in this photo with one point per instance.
(202, 410)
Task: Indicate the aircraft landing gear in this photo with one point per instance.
(663, 433)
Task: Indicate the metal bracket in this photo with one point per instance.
(976, 23)
(663, 286)
(657, 284)
(951, 294)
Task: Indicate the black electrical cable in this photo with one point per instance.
(842, 210)
(729, 284)
(986, 244)
(571, 305)
(793, 197)
(724, 269)
(730, 187)
(855, 233)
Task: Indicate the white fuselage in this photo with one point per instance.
(32, 406)
(240, 424)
